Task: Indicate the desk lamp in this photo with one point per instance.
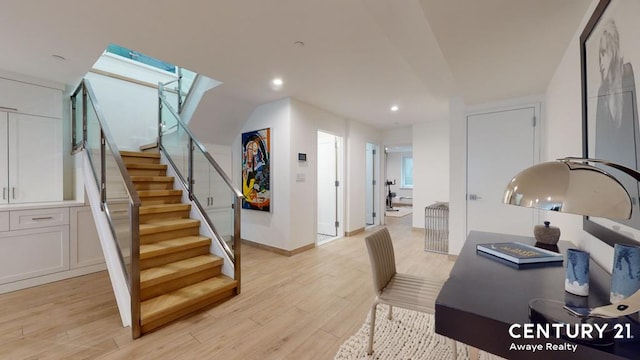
(573, 185)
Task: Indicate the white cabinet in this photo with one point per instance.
(37, 218)
(213, 193)
(39, 245)
(85, 244)
(31, 164)
(29, 253)
(30, 142)
(35, 158)
(24, 98)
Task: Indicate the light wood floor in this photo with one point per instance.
(300, 307)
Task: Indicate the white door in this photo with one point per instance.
(35, 158)
(500, 144)
(327, 189)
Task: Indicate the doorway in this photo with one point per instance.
(371, 185)
(499, 145)
(330, 185)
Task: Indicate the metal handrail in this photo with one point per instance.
(134, 200)
(202, 148)
(188, 182)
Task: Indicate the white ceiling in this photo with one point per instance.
(360, 57)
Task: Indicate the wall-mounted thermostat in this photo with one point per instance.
(302, 157)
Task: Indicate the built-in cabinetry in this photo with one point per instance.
(30, 143)
(47, 243)
(213, 193)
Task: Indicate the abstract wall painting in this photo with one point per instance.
(256, 170)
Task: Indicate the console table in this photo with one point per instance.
(482, 298)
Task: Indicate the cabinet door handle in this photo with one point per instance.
(13, 191)
(42, 218)
(4, 193)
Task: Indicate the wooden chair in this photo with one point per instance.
(394, 289)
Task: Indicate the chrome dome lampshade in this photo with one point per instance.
(571, 185)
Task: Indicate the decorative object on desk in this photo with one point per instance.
(520, 253)
(575, 300)
(577, 272)
(546, 234)
(625, 278)
(549, 247)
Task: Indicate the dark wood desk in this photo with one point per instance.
(482, 298)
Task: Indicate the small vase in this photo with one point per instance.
(625, 277)
(577, 272)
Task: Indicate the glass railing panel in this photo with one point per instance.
(215, 197)
(117, 207)
(169, 123)
(175, 141)
(171, 95)
(77, 120)
(92, 146)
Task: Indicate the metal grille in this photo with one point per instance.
(436, 227)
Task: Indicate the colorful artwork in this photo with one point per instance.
(256, 176)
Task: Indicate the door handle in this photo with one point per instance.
(474, 197)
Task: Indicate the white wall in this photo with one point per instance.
(306, 120)
(397, 136)
(294, 125)
(270, 228)
(431, 176)
(131, 110)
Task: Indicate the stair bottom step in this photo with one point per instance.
(163, 309)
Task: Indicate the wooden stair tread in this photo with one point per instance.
(147, 154)
(146, 166)
(145, 178)
(152, 193)
(167, 225)
(161, 208)
(168, 246)
(168, 272)
(165, 305)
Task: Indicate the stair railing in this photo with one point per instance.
(118, 197)
(208, 186)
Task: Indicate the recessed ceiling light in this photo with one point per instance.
(395, 108)
(298, 44)
(277, 82)
(58, 57)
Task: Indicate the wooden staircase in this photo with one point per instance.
(178, 275)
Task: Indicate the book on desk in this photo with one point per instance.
(519, 253)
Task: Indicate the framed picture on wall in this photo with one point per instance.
(610, 65)
(256, 170)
